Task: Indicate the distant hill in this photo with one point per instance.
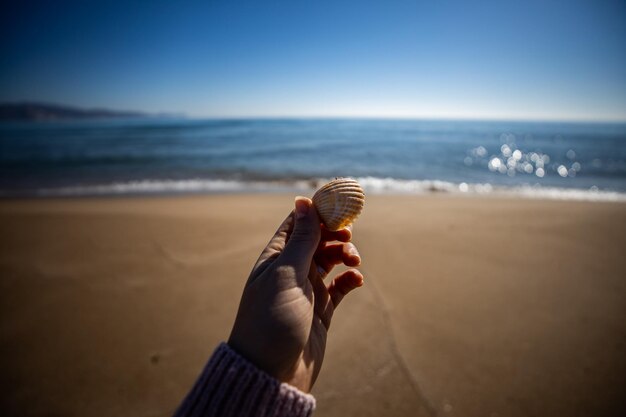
(44, 111)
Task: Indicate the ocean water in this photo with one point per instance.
(143, 156)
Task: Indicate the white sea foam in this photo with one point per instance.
(175, 187)
(371, 185)
(395, 186)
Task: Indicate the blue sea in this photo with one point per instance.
(163, 156)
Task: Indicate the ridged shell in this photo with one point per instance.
(339, 202)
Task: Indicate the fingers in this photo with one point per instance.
(300, 236)
(334, 254)
(279, 240)
(343, 284)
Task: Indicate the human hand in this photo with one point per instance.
(286, 307)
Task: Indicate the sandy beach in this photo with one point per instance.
(470, 307)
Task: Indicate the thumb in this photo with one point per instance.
(305, 237)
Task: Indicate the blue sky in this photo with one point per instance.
(453, 59)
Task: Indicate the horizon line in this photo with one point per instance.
(452, 117)
(416, 117)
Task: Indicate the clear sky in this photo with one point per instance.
(532, 59)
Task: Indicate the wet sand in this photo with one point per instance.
(471, 306)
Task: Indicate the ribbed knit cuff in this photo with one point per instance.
(231, 386)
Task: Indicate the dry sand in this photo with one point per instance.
(471, 307)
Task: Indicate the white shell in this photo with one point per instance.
(339, 202)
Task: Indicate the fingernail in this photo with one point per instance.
(302, 207)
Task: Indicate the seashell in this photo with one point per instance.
(339, 202)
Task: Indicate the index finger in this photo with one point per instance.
(342, 235)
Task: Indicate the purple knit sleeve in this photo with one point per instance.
(230, 386)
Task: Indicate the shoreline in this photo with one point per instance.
(487, 198)
(371, 185)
